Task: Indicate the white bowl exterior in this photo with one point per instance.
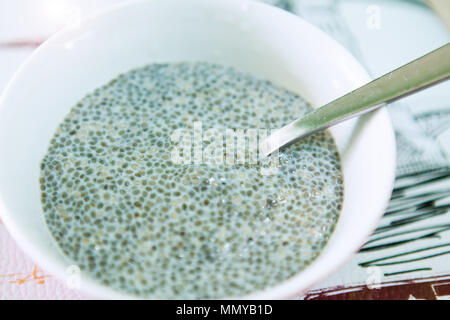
(252, 37)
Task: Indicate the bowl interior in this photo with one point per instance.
(252, 37)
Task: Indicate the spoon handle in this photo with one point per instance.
(419, 74)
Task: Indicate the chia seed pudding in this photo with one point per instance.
(131, 219)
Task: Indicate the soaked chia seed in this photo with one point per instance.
(133, 220)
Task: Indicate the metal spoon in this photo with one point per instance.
(419, 74)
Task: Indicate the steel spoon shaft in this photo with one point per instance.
(419, 74)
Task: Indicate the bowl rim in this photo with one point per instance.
(288, 288)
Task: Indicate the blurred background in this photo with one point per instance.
(408, 257)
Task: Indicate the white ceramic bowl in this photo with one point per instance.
(249, 36)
